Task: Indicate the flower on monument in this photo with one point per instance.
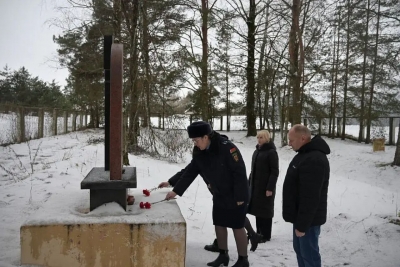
(130, 199)
(146, 192)
(145, 205)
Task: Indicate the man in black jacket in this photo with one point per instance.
(305, 193)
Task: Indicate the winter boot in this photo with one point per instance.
(213, 247)
(255, 240)
(223, 258)
(242, 262)
(264, 240)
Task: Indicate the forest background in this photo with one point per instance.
(275, 61)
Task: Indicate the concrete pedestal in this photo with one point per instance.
(107, 236)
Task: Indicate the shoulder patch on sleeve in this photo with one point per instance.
(235, 157)
(234, 153)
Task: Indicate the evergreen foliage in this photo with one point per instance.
(18, 87)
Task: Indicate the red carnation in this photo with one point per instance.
(146, 192)
(130, 200)
(145, 205)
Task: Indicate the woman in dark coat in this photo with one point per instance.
(263, 177)
(221, 165)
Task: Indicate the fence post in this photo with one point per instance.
(54, 122)
(305, 122)
(74, 121)
(159, 121)
(334, 125)
(191, 118)
(65, 122)
(221, 122)
(80, 120)
(40, 123)
(86, 119)
(392, 131)
(339, 126)
(21, 124)
(319, 126)
(363, 130)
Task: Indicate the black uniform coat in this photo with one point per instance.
(176, 177)
(223, 168)
(305, 189)
(263, 177)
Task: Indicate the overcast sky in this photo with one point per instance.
(27, 40)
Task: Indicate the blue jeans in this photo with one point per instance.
(306, 247)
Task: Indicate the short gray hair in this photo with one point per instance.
(301, 129)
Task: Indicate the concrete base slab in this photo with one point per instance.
(107, 236)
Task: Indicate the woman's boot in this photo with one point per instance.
(213, 247)
(223, 258)
(255, 240)
(242, 262)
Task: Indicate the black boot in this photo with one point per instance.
(264, 239)
(213, 247)
(242, 262)
(223, 258)
(255, 240)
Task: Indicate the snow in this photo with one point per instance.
(40, 182)
(73, 208)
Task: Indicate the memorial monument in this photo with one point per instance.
(110, 184)
(72, 234)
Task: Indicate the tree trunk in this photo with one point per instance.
(331, 116)
(371, 94)
(262, 83)
(147, 78)
(272, 131)
(361, 131)
(295, 63)
(228, 107)
(117, 19)
(396, 160)
(278, 95)
(131, 17)
(282, 103)
(206, 115)
(305, 6)
(251, 41)
(97, 115)
(346, 75)
(336, 79)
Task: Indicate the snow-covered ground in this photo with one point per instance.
(363, 198)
